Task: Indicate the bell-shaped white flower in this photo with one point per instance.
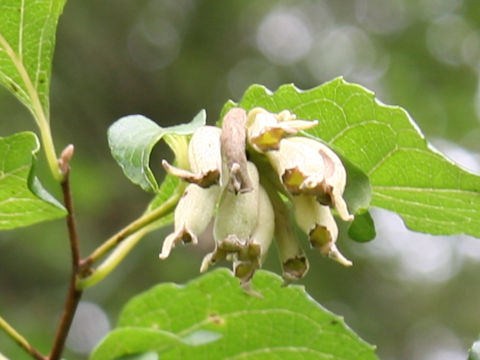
(252, 256)
(300, 168)
(292, 257)
(265, 129)
(334, 174)
(243, 229)
(204, 157)
(192, 215)
(235, 221)
(318, 223)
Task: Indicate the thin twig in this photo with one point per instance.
(131, 228)
(114, 259)
(73, 295)
(20, 340)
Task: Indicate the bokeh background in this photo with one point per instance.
(415, 296)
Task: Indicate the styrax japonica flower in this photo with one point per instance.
(258, 179)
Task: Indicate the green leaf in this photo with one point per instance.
(27, 41)
(23, 201)
(407, 176)
(362, 229)
(358, 194)
(474, 352)
(145, 356)
(132, 139)
(168, 187)
(213, 318)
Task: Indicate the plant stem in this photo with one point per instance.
(20, 340)
(73, 295)
(134, 226)
(114, 259)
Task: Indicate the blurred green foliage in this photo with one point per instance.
(167, 59)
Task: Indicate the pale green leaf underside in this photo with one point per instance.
(131, 140)
(431, 193)
(27, 40)
(23, 201)
(212, 318)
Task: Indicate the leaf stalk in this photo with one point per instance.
(142, 222)
(39, 113)
(20, 340)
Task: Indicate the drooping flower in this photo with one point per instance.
(193, 213)
(292, 257)
(301, 169)
(204, 157)
(334, 174)
(319, 224)
(249, 208)
(243, 229)
(265, 129)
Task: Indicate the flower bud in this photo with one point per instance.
(293, 259)
(265, 129)
(192, 216)
(335, 176)
(300, 168)
(318, 223)
(204, 156)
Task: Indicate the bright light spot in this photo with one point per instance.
(89, 326)
(434, 8)
(153, 46)
(471, 50)
(249, 71)
(477, 98)
(445, 39)
(468, 247)
(415, 256)
(345, 51)
(284, 36)
(428, 340)
(381, 16)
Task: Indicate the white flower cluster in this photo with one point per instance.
(248, 175)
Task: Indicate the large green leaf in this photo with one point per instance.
(407, 176)
(23, 201)
(212, 318)
(132, 139)
(27, 40)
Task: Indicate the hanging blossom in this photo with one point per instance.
(251, 198)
